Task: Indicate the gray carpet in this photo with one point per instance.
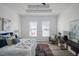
(58, 52)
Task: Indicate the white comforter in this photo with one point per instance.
(25, 48)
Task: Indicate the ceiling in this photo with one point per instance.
(38, 8)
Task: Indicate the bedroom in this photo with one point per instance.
(33, 24)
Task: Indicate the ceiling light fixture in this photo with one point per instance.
(43, 3)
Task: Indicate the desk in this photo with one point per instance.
(74, 46)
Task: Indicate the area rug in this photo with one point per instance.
(43, 50)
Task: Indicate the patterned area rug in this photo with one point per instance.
(43, 50)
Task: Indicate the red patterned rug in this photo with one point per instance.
(43, 50)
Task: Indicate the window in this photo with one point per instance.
(33, 29)
(45, 29)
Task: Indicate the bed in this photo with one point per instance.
(26, 47)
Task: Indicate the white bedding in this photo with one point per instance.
(28, 49)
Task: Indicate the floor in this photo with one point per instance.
(58, 52)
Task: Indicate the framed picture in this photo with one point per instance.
(6, 24)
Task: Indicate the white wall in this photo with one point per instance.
(72, 13)
(39, 18)
(10, 14)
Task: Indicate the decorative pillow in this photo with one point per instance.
(17, 40)
(11, 40)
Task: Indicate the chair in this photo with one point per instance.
(53, 39)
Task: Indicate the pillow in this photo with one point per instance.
(52, 36)
(11, 40)
(17, 40)
(1, 37)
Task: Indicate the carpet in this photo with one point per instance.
(43, 50)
